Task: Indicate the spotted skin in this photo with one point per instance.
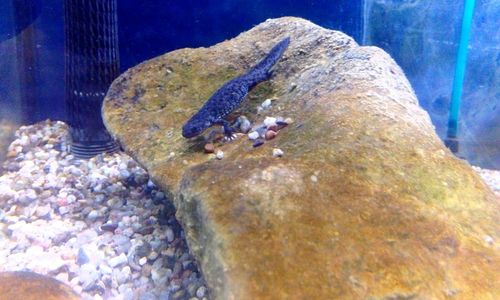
(230, 96)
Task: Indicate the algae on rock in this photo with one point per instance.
(366, 202)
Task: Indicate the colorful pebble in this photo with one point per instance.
(209, 148)
(270, 134)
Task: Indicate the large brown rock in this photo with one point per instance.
(366, 202)
(33, 286)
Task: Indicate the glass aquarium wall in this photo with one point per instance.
(32, 38)
(423, 37)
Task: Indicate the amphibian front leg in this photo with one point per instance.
(228, 130)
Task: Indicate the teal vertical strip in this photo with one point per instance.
(458, 79)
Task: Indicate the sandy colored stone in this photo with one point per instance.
(366, 203)
(33, 286)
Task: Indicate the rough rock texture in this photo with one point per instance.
(366, 202)
(33, 286)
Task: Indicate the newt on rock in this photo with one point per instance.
(229, 97)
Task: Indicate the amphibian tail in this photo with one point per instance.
(229, 97)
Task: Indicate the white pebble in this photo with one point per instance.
(143, 261)
(88, 274)
(93, 215)
(105, 269)
(6, 192)
(253, 135)
(71, 198)
(269, 121)
(219, 154)
(122, 275)
(266, 104)
(200, 292)
(42, 155)
(245, 124)
(278, 152)
(170, 234)
(117, 260)
(31, 194)
(63, 210)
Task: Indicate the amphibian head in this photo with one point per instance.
(194, 127)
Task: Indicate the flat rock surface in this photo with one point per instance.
(364, 200)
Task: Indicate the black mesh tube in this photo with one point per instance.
(91, 64)
(25, 12)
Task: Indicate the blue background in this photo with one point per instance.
(153, 27)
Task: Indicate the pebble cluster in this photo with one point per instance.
(258, 134)
(99, 225)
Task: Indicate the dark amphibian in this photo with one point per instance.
(229, 97)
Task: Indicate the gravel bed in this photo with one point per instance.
(99, 225)
(491, 178)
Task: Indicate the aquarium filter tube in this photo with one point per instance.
(451, 140)
(24, 15)
(91, 64)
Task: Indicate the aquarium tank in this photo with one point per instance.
(249, 149)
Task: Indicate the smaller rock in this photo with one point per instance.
(43, 212)
(71, 198)
(245, 124)
(270, 134)
(278, 152)
(258, 143)
(145, 230)
(63, 210)
(117, 260)
(201, 291)
(219, 154)
(209, 148)
(192, 288)
(93, 215)
(266, 104)
(273, 128)
(148, 296)
(82, 257)
(153, 256)
(109, 227)
(169, 234)
(269, 121)
(159, 196)
(146, 270)
(11, 154)
(281, 124)
(88, 275)
(122, 275)
(253, 135)
(489, 240)
(180, 294)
